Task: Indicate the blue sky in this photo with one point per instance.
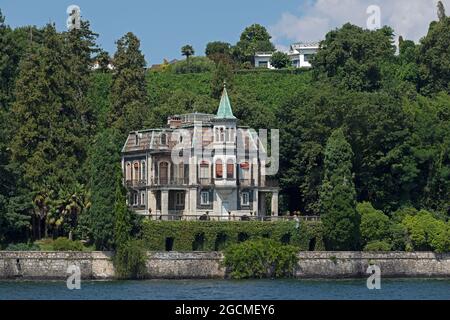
(165, 26)
(162, 26)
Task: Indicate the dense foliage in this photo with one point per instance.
(261, 258)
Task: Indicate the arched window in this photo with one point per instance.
(128, 172)
(163, 139)
(143, 171)
(230, 169)
(219, 169)
(136, 171)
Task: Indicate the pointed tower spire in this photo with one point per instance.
(225, 111)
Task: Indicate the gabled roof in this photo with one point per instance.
(225, 111)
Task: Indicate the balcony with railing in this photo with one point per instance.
(225, 182)
(136, 183)
(161, 181)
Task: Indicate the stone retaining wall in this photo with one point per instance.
(204, 265)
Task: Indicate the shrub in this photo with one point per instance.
(398, 236)
(374, 225)
(22, 247)
(64, 244)
(261, 258)
(45, 244)
(196, 65)
(427, 233)
(378, 246)
(130, 259)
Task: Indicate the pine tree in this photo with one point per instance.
(338, 195)
(80, 47)
(104, 167)
(128, 92)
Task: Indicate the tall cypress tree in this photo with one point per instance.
(104, 169)
(128, 91)
(122, 222)
(338, 195)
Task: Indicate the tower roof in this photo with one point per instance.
(225, 111)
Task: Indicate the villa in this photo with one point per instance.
(199, 166)
(299, 53)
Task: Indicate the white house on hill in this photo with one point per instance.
(300, 54)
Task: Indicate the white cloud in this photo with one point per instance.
(409, 18)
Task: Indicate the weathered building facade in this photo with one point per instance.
(200, 164)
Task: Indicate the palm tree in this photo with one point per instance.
(187, 51)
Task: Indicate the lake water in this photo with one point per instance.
(290, 289)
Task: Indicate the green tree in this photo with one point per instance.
(222, 74)
(253, 39)
(218, 51)
(128, 90)
(8, 63)
(187, 51)
(47, 148)
(338, 195)
(434, 58)
(80, 46)
(352, 57)
(122, 221)
(104, 165)
(280, 60)
(375, 225)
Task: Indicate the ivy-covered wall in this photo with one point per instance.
(216, 235)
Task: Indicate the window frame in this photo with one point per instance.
(247, 194)
(208, 202)
(179, 199)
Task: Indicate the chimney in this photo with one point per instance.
(174, 122)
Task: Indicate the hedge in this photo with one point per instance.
(218, 235)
